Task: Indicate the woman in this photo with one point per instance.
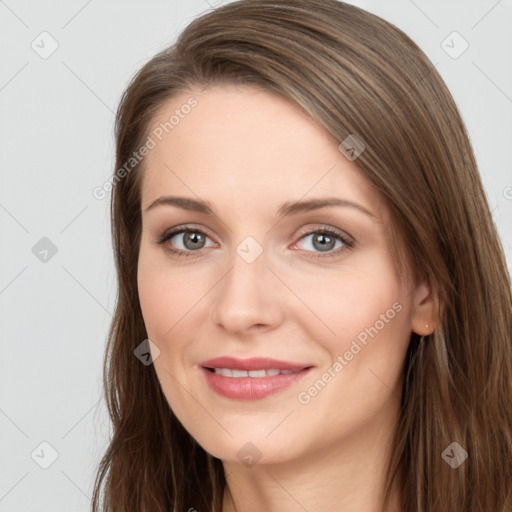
(314, 310)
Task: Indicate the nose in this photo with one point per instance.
(248, 299)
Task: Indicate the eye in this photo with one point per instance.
(322, 242)
(325, 242)
(184, 240)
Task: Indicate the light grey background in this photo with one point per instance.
(57, 145)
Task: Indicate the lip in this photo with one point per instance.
(252, 388)
(253, 363)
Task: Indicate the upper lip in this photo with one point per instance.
(253, 363)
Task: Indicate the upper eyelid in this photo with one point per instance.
(307, 231)
(169, 233)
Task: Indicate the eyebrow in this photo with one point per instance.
(286, 209)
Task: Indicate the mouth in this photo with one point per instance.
(251, 379)
(233, 372)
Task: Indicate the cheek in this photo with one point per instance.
(154, 300)
(362, 361)
(164, 302)
(346, 302)
(170, 300)
(362, 323)
(161, 296)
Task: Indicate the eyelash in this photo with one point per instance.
(167, 235)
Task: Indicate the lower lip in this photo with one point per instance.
(251, 388)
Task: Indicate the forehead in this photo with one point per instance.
(240, 144)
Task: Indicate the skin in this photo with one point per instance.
(247, 151)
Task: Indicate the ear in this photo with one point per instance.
(424, 314)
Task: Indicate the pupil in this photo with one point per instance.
(193, 240)
(320, 241)
(326, 242)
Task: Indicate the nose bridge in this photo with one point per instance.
(245, 297)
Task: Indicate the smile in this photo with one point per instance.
(272, 372)
(251, 379)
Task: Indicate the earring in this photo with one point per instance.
(426, 326)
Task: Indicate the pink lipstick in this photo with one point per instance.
(251, 379)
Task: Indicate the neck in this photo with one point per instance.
(349, 477)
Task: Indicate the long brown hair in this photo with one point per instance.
(354, 73)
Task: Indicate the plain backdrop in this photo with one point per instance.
(63, 67)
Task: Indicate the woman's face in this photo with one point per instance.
(268, 279)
